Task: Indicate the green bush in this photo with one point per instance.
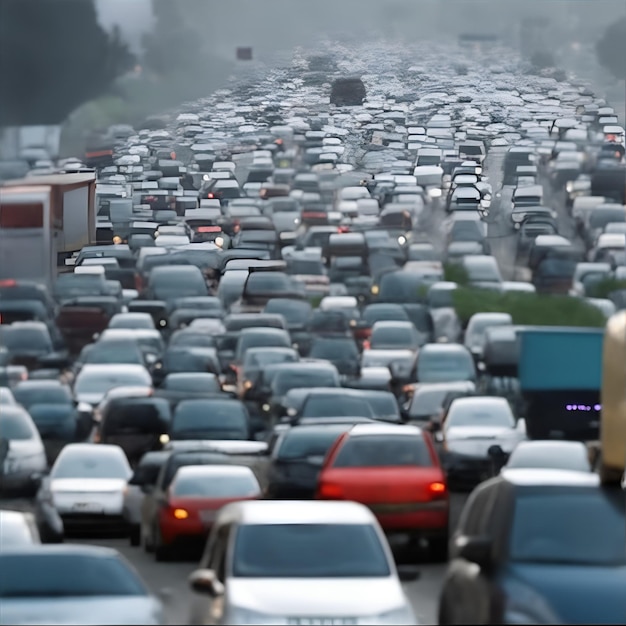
(455, 273)
(603, 288)
(528, 308)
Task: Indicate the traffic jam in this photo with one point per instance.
(277, 333)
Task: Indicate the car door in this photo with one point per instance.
(466, 592)
(204, 609)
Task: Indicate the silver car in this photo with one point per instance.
(73, 584)
(86, 485)
(22, 454)
(17, 529)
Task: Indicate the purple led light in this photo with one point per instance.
(583, 407)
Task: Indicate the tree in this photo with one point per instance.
(611, 49)
(54, 56)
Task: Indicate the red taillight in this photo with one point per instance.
(173, 155)
(9, 282)
(209, 229)
(366, 344)
(210, 195)
(329, 491)
(437, 490)
(343, 229)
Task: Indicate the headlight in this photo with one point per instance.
(219, 241)
(266, 407)
(401, 240)
(164, 438)
(375, 290)
(151, 359)
(569, 187)
(402, 615)
(247, 385)
(435, 192)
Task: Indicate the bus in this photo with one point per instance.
(613, 401)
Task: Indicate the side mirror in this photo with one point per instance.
(205, 581)
(408, 573)
(475, 549)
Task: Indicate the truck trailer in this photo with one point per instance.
(43, 221)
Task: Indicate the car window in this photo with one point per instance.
(553, 526)
(214, 486)
(492, 414)
(302, 444)
(15, 426)
(332, 405)
(309, 551)
(54, 575)
(85, 464)
(383, 451)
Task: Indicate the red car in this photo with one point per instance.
(193, 499)
(395, 471)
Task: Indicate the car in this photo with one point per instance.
(523, 538)
(277, 561)
(17, 529)
(73, 584)
(296, 460)
(132, 320)
(86, 486)
(22, 452)
(366, 460)
(95, 380)
(210, 418)
(393, 335)
(7, 397)
(193, 500)
(471, 427)
(566, 455)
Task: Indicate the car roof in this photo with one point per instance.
(275, 512)
(541, 477)
(479, 401)
(208, 471)
(406, 430)
(62, 549)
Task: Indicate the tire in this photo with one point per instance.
(438, 548)
(134, 535)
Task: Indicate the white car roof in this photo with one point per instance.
(550, 477)
(293, 512)
(407, 430)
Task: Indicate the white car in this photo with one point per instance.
(17, 529)
(95, 380)
(273, 562)
(22, 453)
(86, 485)
(6, 396)
(560, 455)
(471, 427)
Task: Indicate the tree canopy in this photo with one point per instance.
(54, 56)
(611, 49)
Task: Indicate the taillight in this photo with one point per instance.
(180, 514)
(330, 491)
(210, 195)
(437, 490)
(366, 344)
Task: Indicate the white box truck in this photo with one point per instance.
(43, 221)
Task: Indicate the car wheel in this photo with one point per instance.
(438, 548)
(135, 535)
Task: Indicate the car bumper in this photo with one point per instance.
(467, 471)
(429, 518)
(185, 533)
(93, 521)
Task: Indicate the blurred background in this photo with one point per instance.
(82, 65)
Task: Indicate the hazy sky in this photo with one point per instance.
(134, 17)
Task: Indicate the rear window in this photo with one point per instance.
(383, 451)
(303, 444)
(334, 349)
(136, 417)
(54, 575)
(332, 405)
(215, 486)
(14, 426)
(445, 367)
(284, 381)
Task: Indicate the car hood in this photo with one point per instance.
(103, 610)
(291, 597)
(87, 485)
(576, 594)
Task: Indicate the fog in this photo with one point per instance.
(272, 25)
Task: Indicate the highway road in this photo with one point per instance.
(170, 579)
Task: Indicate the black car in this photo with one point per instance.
(297, 459)
(538, 547)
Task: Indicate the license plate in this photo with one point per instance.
(87, 507)
(207, 517)
(322, 621)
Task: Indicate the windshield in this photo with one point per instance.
(301, 444)
(15, 426)
(95, 382)
(87, 465)
(294, 312)
(491, 414)
(309, 551)
(66, 575)
(260, 358)
(443, 368)
(332, 405)
(111, 352)
(552, 526)
(215, 486)
(383, 451)
(30, 339)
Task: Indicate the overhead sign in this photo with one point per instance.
(244, 54)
